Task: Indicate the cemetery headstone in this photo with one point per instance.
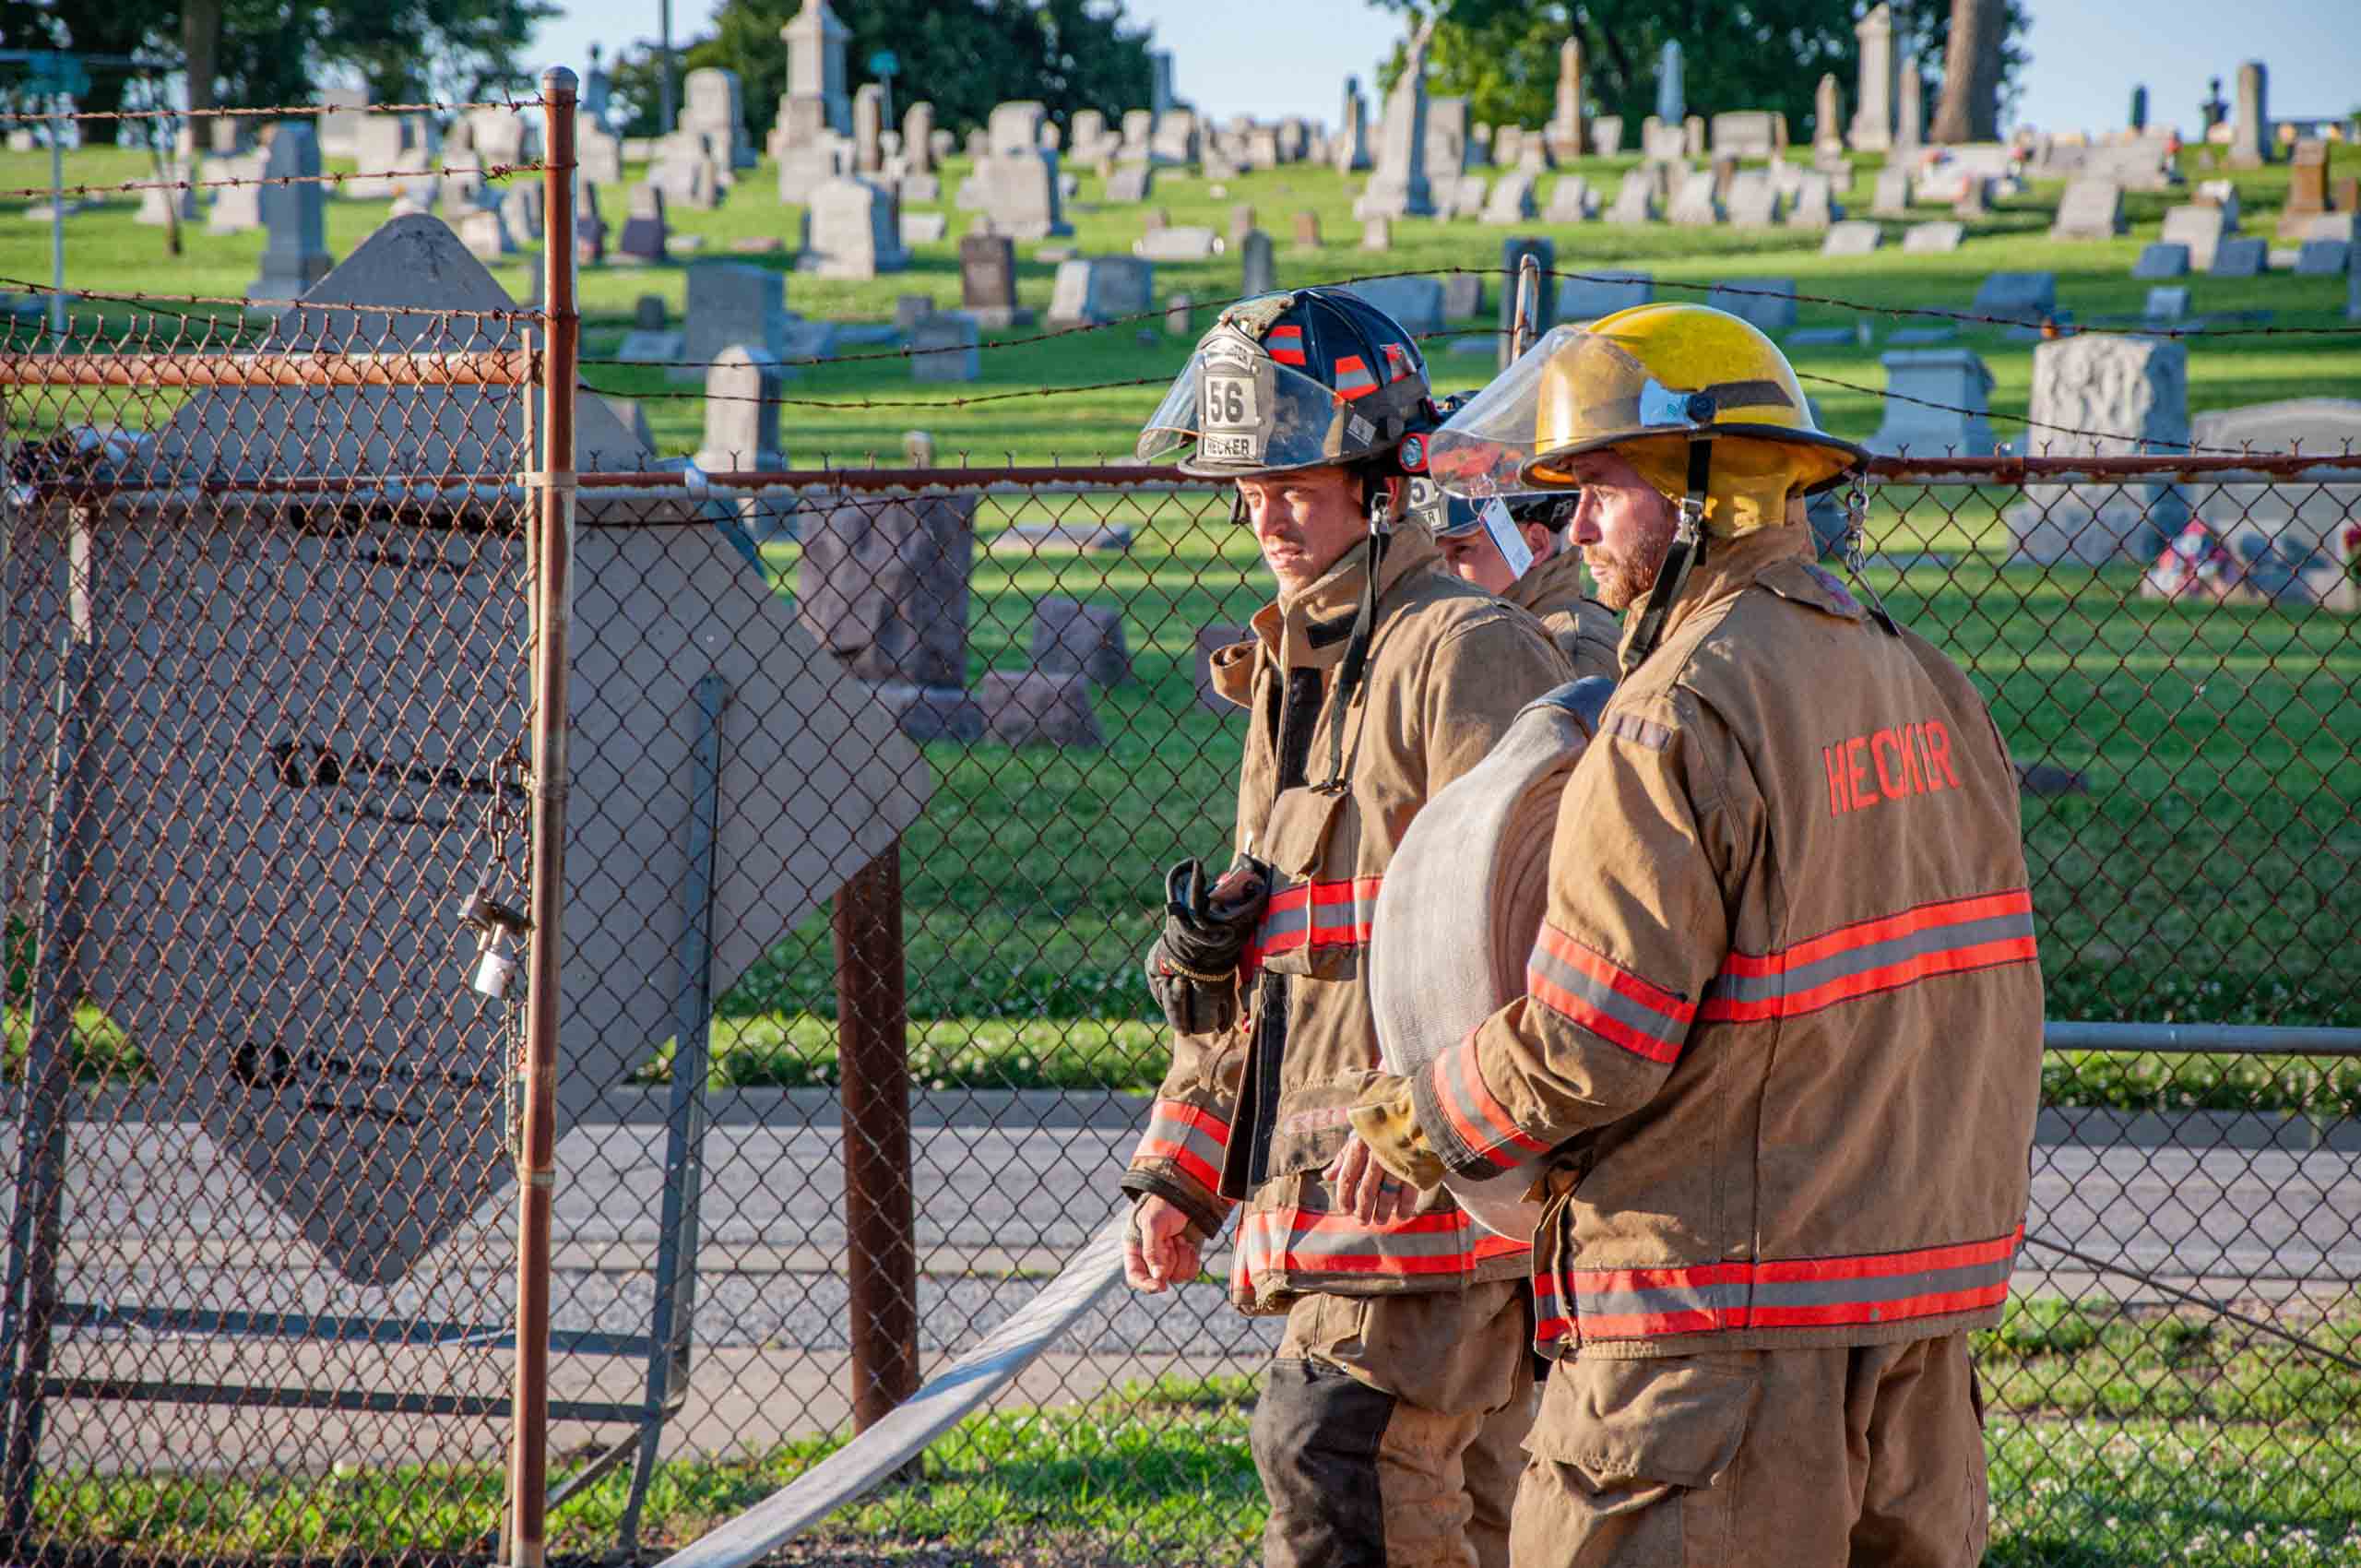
(1755, 201)
(1909, 107)
(1767, 303)
(1259, 267)
(733, 302)
(1815, 202)
(1828, 116)
(1463, 296)
(1572, 200)
(853, 231)
(2136, 390)
(1415, 303)
(1879, 87)
(1015, 128)
(918, 138)
(2240, 258)
(645, 232)
(1607, 136)
(1021, 194)
(1074, 638)
(884, 587)
(1510, 200)
(1853, 237)
(1306, 229)
(1178, 242)
(1933, 239)
(988, 279)
(1889, 196)
(867, 125)
(2252, 140)
(2091, 209)
(1603, 292)
(1693, 206)
(295, 255)
(742, 385)
(485, 234)
(1636, 199)
(1398, 186)
(1377, 234)
(1936, 406)
(2025, 297)
(2164, 259)
(1131, 183)
(2323, 259)
(946, 346)
(1090, 290)
(2166, 303)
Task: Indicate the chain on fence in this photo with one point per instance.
(873, 779)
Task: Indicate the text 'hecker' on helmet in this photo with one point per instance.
(1644, 384)
(1301, 379)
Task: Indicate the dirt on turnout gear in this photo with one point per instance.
(1785, 1013)
(1585, 631)
(1305, 379)
(1257, 1113)
(1871, 1455)
(1389, 1431)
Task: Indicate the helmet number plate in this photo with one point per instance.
(1230, 403)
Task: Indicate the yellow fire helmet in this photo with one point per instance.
(1647, 383)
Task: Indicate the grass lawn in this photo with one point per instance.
(2207, 875)
(2114, 1440)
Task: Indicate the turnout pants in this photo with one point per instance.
(1389, 1432)
(1866, 1456)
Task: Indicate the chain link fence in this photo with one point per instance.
(873, 778)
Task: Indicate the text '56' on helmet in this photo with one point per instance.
(1643, 384)
(1296, 380)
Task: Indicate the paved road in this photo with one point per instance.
(158, 1220)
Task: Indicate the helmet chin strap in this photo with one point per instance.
(1354, 667)
(1687, 549)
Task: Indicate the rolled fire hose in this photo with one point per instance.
(1462, 903)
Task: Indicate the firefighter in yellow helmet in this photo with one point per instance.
(1781, 1037)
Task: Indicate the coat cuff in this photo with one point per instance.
(1469, 1129)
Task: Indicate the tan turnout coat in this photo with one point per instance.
(1783, 1025)
(1255, 1114)
(1584, 630)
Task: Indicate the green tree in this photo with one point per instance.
(269, 52)
(961, 56)
(1503, 54)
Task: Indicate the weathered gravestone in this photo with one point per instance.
(1815, 202)
(1036, 709)
(485, 233)
(1855, 236)
(2240, 258)
(988, 280)
(295, 256)
(2025, 297)
(1377, 234)
(1415, 303)
(712, 112)
(1572, 200)
(160, 208)
(1090, 290)
(1749, 133)
(2163, 260)
(1511, 201)
(853, 233)
(1754, 200)
(1767, 303)
(1603, 292)
(1935, 405)
(1074, 638)
(2201, 228)
(733, 303)
(2090, 208)
(1179, 241)
(1694, 204)
(2137, 390)
(644, 233)
(884, 586)
(2252, 140)
(1933, 239)
(1131, 183)
(1398, 187)
(2323, 259)
(2297, 534)
(1306, 229)
(1889, 196)
(1021, 194)
(742, 389)
(1636, 199)
(1258, 265)
(1463, 296)
(377, 1130)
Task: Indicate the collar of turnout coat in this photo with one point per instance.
(1778, 559)
(1310, 630)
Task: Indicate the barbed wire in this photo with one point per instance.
(2033, 424)
(486, 171)
(860, 403)
(283, 111)
(279, 308)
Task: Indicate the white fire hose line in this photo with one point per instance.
(857, 1467)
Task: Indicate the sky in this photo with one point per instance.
(2087, 54)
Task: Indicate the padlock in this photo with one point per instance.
(496, 925)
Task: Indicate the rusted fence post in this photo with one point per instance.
(873, 1064)
(553, 532)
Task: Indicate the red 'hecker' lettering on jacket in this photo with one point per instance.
(1782, 1026)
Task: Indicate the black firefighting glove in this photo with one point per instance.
(1193, 968)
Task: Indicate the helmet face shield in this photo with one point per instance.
(1573, 388)
(1246, 414)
